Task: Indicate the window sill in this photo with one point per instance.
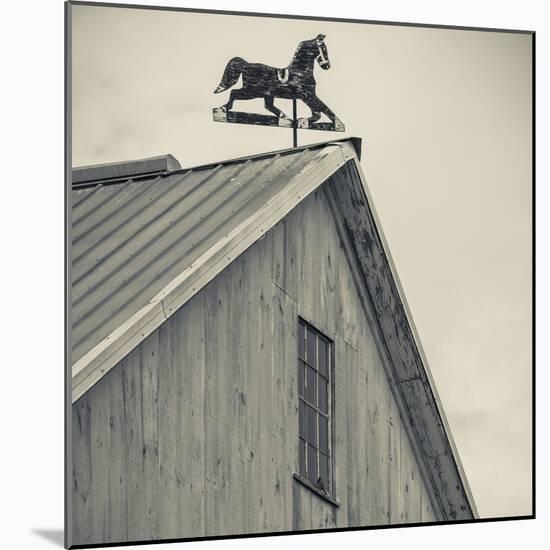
(306, 483)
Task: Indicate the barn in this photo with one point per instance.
(243, 358)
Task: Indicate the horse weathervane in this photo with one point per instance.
(293, 82)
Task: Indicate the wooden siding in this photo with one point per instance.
(195, 432)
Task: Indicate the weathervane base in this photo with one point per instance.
(236, 117)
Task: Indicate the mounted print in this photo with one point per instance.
(242, 358)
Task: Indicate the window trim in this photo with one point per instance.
(306, 483)
(329, 494)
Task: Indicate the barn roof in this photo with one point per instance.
(144, 242)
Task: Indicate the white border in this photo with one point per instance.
(32, 274)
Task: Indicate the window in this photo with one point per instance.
(314, 399)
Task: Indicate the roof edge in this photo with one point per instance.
(355, 142)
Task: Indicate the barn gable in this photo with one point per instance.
(143, 249)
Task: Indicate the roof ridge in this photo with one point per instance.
(165, 165)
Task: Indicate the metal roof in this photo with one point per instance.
(131, 238)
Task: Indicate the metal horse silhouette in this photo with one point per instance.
(296, 81)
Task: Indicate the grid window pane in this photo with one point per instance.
(312, 464)
(301, 341)
(301, 379)
(311, 425)
(311, 390)
(322, 347)
(302, 453)
(323, 471)
(311, 341)
(323, 433)
(323, 397)
(302, 415)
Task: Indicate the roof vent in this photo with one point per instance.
(129, 169)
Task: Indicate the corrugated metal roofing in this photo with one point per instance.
(130, 239)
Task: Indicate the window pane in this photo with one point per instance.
(301, 341)
(311, 390)
(312, 464)
(311, 425)
(323, 433)
(323, 399)
(301, 379)
(302, 454)
(323, 471)
(323, 357)
(311, 338)
(302, 418)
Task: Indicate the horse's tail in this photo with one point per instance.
(233, 70)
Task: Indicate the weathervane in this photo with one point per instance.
(293, 82)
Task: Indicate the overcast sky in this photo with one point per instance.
(445, 117)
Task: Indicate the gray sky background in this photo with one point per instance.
(445, 116)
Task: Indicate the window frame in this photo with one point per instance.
(302, 361)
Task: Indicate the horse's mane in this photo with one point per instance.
(299, 48)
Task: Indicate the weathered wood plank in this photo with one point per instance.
(353, 434)
(268, 441)
(427, 513)
(285, 409)
(190, 378)
(323, 514)
(395, 465)
(278, 256)
(406, 485)
(377, 430)
(117, 458)
(149, 354)
(170, 474)
(100, 452)
(218, 405)
(343, 355)
(301, 507)
(294, 250)
(82, 471)
(132, 403)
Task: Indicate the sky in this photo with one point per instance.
(445, 117)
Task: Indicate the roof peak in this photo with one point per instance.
(122, 171)
(356, 141)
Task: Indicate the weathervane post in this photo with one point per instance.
(293, 82)
(294, 124)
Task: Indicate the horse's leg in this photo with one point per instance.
(270, 106)
(240, 93)
(313, 104)
(317, 107)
